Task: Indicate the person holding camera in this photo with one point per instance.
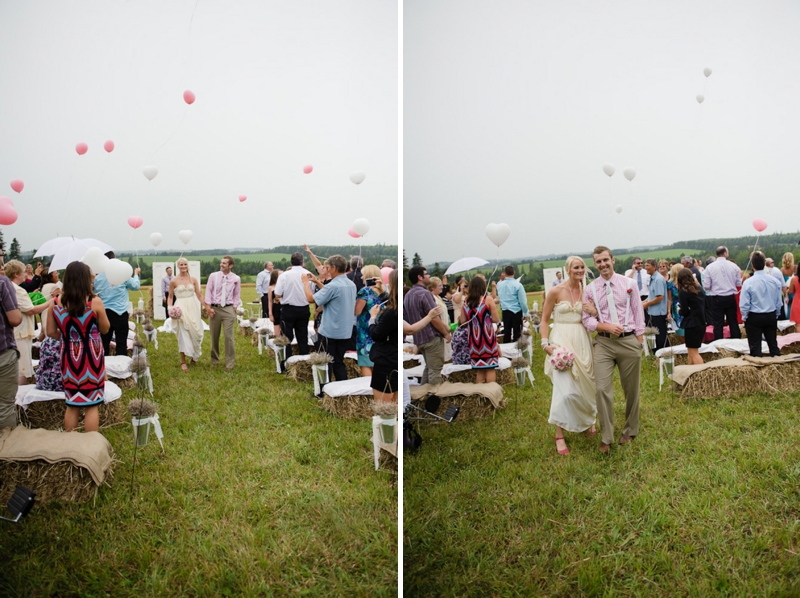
(367, 298)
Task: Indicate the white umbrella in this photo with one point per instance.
(53, 245)
(464, 264)
(74, 251)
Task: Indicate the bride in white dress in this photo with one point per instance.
(573, 407)
(184, 291)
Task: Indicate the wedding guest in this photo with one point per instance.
(514, 304)
(770, 268)
(115, 299)
(672, 295)
(794, 287)
(165, 290)
(787, 269)
(692, 310)
(459, 293)
(262, 287)
(223, 291)
(435, 287)
(48, 374)
(721, 280)
(274, 303)
(642, 279)
(33, 281)
(356, 263)
(383, 330)
(10, 317)
(290, 289)
(656, 303)
(430, 340)
(479, 313)
(367, 298)
(760, 303)
(559, 279)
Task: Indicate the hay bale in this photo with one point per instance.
(300, 371)
(123, 383)
(504, 377)
(49, 415)
(791, 329)
(790, 348)
(682, 359)
(724, 382)
(353, 371)
(784, 377)
(472, 406)
(349, 407)
(51, 481)
(411, 363)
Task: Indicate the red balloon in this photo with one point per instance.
(308, 168)
(759, 224)
(81, 148)
(8, 215)
(17, 185)
(242, 197)
(6, 201)
(353, 233)
(108, 146)
(135, 221)
(188, 96)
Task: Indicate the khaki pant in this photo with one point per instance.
(9, 373)
(224, 317)
(433, 352)
(625, 353)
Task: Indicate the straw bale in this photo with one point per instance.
(300, 371)
(349, 407)
(472, 406)
(724, 382)
(123, 383)
(353, 371)
(50, 414)
(791, 329)
(51, 481)
(682, 359)
(411, 363)
(247, 331)
(504, 377)
(784, 377)
(791, 348)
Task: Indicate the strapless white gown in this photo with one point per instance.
(573, 406)
(189, 328)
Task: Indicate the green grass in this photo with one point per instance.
(239, 257)
(260, 493)
(705, 502)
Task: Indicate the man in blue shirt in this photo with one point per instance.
(339, 299)
(760, 302)
(115, 299)
(514, 304)
(656, 304)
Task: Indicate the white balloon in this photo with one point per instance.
(498, 233)
(700, 99)
(95, 259)
(185, 236)
(357, 177)
(609, 169)
(361, 226)
(150, 172)
(629, 173)
(117, 271)
(155, 239)
(707, 72)
(618, 209)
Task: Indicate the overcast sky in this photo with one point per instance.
(511, 108)
(278, 84)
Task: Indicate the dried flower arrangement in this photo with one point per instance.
(519, 362)
(141, 408)
(139, 364)
(282, 341)
(320, 358)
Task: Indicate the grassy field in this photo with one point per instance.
(705, 502)
(243, 257)
(260, 493)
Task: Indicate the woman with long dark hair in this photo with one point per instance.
(479, 313)
(383, 331)
(692, 306)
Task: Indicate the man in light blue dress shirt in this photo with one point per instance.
(262, 288)
(656, 303)
(760, 303)
(514, 304)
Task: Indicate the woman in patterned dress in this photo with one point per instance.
(480, 312)
(79, 320)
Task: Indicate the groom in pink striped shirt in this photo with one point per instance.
(222, 298)
(618, 343)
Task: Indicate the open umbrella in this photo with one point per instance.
(74, 251)
(53, 245)
(464, 264)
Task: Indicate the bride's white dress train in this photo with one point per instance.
(573, 406)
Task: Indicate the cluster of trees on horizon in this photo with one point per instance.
(246, 269)
(739, 248)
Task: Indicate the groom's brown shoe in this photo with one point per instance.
(605, 448)
(625, 439)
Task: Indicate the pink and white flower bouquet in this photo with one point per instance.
(175, 312)
(562, 359)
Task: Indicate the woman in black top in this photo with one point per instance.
(692, 309)
(383, 330)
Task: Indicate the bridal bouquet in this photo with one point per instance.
(562, 359)
(175, 312)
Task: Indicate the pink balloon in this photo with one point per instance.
(188, 96)
(81, 148)
(308, 168)
(17, 185)
(8, 215)
(759, 224)
(242, 197)
(385, 274)
(353, 233)
(135, 221)
(108, 146)
(6, 201)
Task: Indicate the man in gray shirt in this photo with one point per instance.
(431, 339)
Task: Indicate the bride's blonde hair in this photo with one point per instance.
(570, 259)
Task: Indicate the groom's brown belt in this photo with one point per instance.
(609, 335)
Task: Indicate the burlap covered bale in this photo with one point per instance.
(723, 382)
(349, 407)
(51, 481)
(49, 415)
(472, 406)
(504, 377)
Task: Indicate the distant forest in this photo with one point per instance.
(739, 248)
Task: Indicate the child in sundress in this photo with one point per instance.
(79, 320)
